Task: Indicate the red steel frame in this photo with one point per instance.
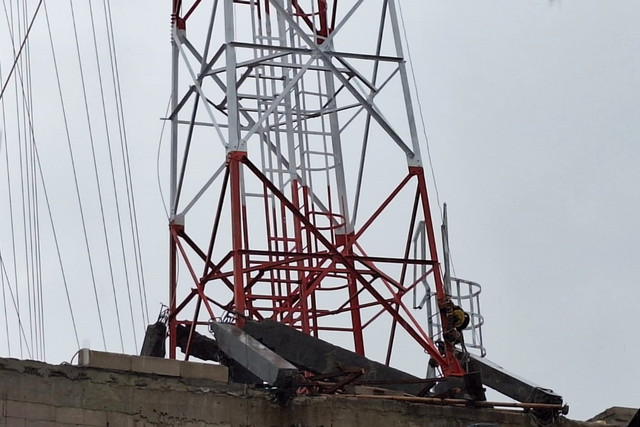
(302, 255)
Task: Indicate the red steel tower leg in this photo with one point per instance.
(173, 283)
(234, 159)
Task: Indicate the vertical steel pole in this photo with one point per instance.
(445, 251)
(236, 151)
(173, 162)
(235, 142)
(336, 145)
(416, 160)
(173, 285)
(234, 163)
(173, 173)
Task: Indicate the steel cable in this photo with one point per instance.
(77, 188)
(39, 346)
(4, 284)
(32, 201)
(36, 242)
(95, 168)
(164, 122)
(57, 245)
(18, 77)
(6, 314)
(9, 193)
(28, 182)
(23, 155)
(113, 181)
(34, 167)
(424, 126)
(13, 298)
(17, 57)
(126, 161)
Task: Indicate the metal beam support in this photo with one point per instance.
(235, 143)
(406, 90)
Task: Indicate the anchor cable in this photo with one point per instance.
(126, 162)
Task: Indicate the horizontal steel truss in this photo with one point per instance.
(241, 269)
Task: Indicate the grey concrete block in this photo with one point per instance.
(152, 365)
(104, 360)
(204, 371)
(155, 365)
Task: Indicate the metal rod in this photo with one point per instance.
(463, 402)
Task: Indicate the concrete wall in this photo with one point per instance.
(37, 394)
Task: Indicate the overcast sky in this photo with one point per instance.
(532, 110)
(532, 113)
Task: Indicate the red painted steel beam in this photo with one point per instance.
(234, 159)
(450, 367)
(443, 298)
(173, 284)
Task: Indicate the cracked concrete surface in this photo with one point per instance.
(39, 394)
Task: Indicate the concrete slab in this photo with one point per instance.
(104, 360)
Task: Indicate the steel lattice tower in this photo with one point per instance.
(297, 185)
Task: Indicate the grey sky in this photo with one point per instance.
(532, 109)
(532, 112)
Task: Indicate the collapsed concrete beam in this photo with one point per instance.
(320, 357)
(255, 357)
(205, 348)
(509, 384)
(202, 347)
(154, 340)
